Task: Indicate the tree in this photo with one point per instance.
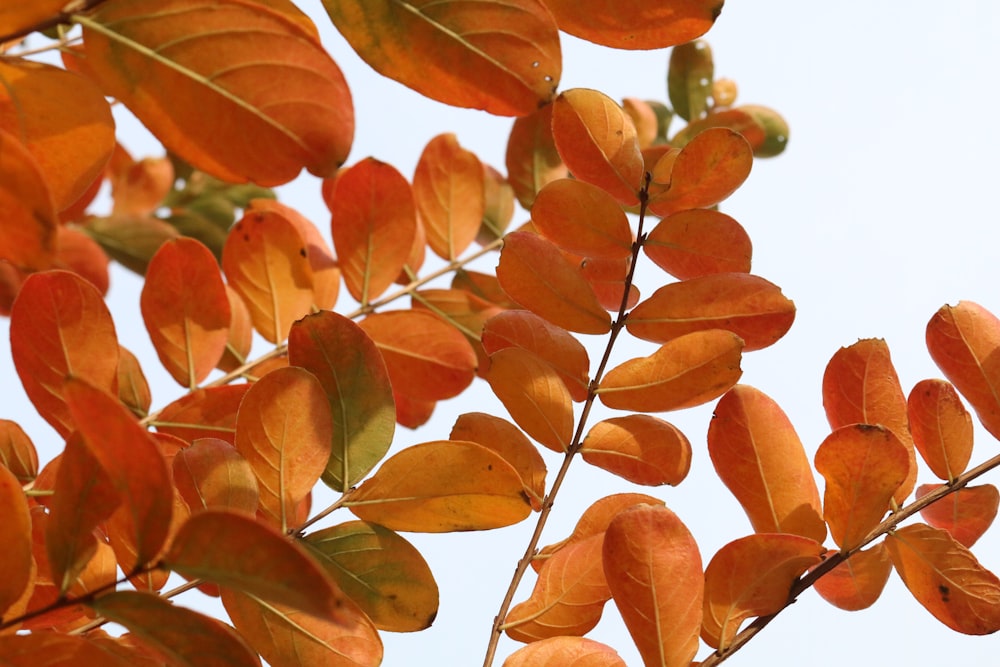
(205, 526)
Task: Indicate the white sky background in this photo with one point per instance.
(879, 212)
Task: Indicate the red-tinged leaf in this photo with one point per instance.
(284, 430)
(532, 159)
(499, 196)
(17, 452)
(635, 24)
(568, 597)
(374, 222)
(565, 652)
(759, 457)
(16, 18)
(707, 170)
(100, 574)
(860, 386)
(552, 344)
(966, 513)
(946, 579)
(77, 252)
(238, 552)
(502, 437)
(349, 366)
(427, 358)
(185, 636)
(688, 371)
(752, 576)
(240, 338)
(286, 637)
(582, 219)
(863, 466)
(598, 142)
(266, 261)
(205, 413)
(751, 307)
(449, 190)
(856, 583)
(132, 461)
(176, 63)
(964, 341)
(56, 649)
(212, 474)
(63, 120)
(15, 535)
(28, 227)
(503, 58)
(412, 412)
(699, 242)
(607, 278)
(442, 486)
(381, 572)
(639, 448)
(535, 274)
(765, 129)
(534, 395)
(941, 427)
(186, 310)
(653, 569)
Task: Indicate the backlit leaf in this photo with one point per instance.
(499, 206)
(946, 579)
(689, 79)
(759, 457)
(965, 513)
(28, 226)
(750, 307)
(284, 431)
(500, 57)
(607, 278)
(17, 452)
(211, 473)
(17, 17)
(598, 142)
(205, 413)
(381, 572)
(941, 427)
(565, 652)
(131, 240)
(448, 189)
(534, 273)
(688, 371)
(532, 159)
(635, 24)
(15, 535)
(699, 242)
(349, 366)
(582, 219)
(863, 466)
(639, 448)
(54, 649)
(175, 63)
(653, 569)
(752, 576)
(266, 261)
(442, 486)
(240, 337)
(964, 341)
(858, 582)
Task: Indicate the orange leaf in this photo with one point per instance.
(15, 18)
(17, 452)
(552, 344)
(534, 395)
(708, 169)
(349, 366)
(635, 24)
(946, 579)
(965, 513)
(56, 649)
(504, 59)
(502, 437)
(442, 486)
(535, 274)
(752, 576)
(28, 226)
(266, 261)
(284, 430)
(374, 222)
(765, 129)
(751, 307)
(15, 535)
(941, 427)
(759, 457)
(964, 341)
(582, 219)
(205, 413)
(640, 448)
(598, 142)
(568, 597)
(688, 371)
(427, 358)
(531, 158)
(182, 634)
(860, 386)
(133, 389)
(607, 278)
(565, 652)
(211, 473)
(238, 552)
(186, 310)
(448, 188)
(858, 582)
(863, 465)
(240, 337)
(653, 569)
(175, 63)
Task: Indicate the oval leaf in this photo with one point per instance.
(29, 225)
(639, 448)
(857, 582)
(565, 652)
(531, 158)
(941, 427)
(15, 534)
(965, 513)
(211, 473)
(17, 452)
(205, 413)
(582, 219)
(448, 188)
(699, 242)
(635, 24)
(689, 79)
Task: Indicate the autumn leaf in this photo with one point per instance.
(966, 513)
(608, 277)
(857, 582)
(639, 448)
(15, 535)
(941, 427)
(212, 474)
(17, 452)
(582, 219)
(699, 242)
(15, 18)
(635, 24)
(449, 191)
(28, 228)
(57, 649)
(205, 413)
(532, 159)
(565, 652)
